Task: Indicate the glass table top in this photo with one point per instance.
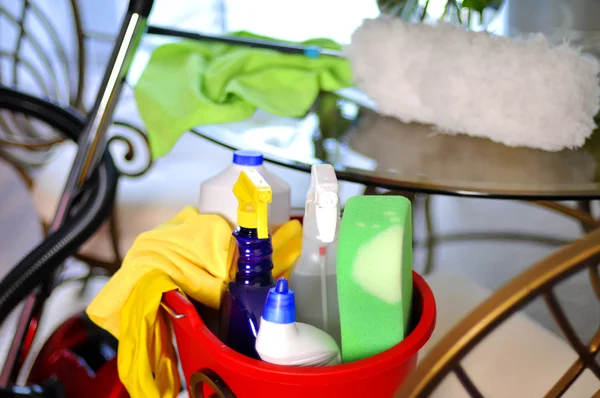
(367, 148)
(374, 150)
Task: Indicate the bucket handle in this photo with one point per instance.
(170, 311)
(177, 311)
(213, 380)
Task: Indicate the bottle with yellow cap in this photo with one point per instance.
(244, 301)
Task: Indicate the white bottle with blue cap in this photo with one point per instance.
(216, 193)
(283, 341)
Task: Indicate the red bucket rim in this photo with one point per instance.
(403, 351)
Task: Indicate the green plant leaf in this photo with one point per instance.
(409, 9)
(477, 5)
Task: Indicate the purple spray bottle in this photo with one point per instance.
(244, 301)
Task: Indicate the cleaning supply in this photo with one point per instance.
(283, 341)
(314, 275)
(243, 302)
(189, 253)
(519, 92)
(188, 84)
(216, 193)
(374, 274)
(543, 93)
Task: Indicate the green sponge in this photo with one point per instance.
(374, 274)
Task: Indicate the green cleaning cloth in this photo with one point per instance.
(190, 83)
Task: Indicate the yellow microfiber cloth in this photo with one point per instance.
(189, 253)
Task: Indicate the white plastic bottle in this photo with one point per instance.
(216, 193)
(314, 275)
(283, 341)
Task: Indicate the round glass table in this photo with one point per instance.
(383, 152)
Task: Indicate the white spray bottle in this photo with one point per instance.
(314, 276)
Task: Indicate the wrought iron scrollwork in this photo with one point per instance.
(132, 152)
(38, 63)
(60, 73)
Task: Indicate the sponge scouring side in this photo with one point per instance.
(374, 274)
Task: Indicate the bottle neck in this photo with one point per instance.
(310, 228)
(240, 167)
(255, 262)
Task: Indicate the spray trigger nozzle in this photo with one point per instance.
(253, 194)
(323, 195)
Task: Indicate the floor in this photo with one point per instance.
(20, 229)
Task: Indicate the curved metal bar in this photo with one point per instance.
(28, 129)
(431, 238)
(25, 125)
(595, 343)
(563, 384)
(131, 153)
(19, 41)
(81, 57)
(585, 206)
(32, 145)
(18, 163)
(29, 67)
(39, 52)
(593, 274)
(6, 127)
(585, 218)
(21, 161)
(57, 45)
(506, 301)
(567, 329)
(567, 380)
(466, 382)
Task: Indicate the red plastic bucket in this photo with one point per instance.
(211, 366)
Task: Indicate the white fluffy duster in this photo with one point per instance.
(517, 92)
